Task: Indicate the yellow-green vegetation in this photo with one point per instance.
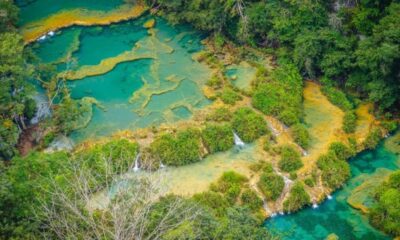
(177, 149)
(248, 124)
(290, 159)
(217, 137)
(149, 23)
(300, 135)
(297, 199)
(271, 185)
(229, 96)
(334, 168)
(373, 138)
(280, 94)
(220, 114)
(385, 214)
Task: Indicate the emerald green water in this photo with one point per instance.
(336, 215)
(33, 10)
(134, 94)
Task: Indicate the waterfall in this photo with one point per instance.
(43, 108)
(162, 165)
(274, 131)
(238, 141)
(47, 35)
(329, 197)
(304, 152)
(314, 206)
(60, 143)
(136, 167)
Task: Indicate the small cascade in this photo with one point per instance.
(329, 197)
(238, 141)
(315, 205)
(162, 165)
(43, 109)
(47, 35)
(281, 213)
(136, 166)
(274, 131)
(304, 152)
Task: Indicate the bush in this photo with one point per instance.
(385, 213)
(229, 184)
(248, 124)
(229, 96)
(218, 137)
(271, 185)
(263, 166)
(334, 171)
(216, 201)
(337, 97)
(301, 135)
(250, 199)
(282, 95)
(290, 159)
(220, 115)
(30, 108)
(297, 199)
(182, 149)
(214, 82)
(341, 151)
(309, 182)
(349, 122)
(373, 138)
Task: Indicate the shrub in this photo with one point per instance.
(214, 82)
(271, 185)
(250, 199)
(248, 124)
(385, 213)
(30, 108)
(220, 115)
(213, 200)
(227, 180)
(301, 135)
(334, 171)
(309, 182)
(263, 166)
(229, 96)
(337, 97)
(341, 151)
(349, 122)
(182, 149)
(373, 138)
(218, 137)
(290, 159)
(297, 199)
(282, 95)
(229, 184)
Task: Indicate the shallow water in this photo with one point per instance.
(32, 10)
(135, 93)
(336, 215)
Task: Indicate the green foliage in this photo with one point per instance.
(349, 122)
(337, 97)
(229, 96)
(281, 95)
(215, 82)
(248, 124)
(271, 185)
(220, 115)
(341, 151)
(179, 149)
(250, 199)
(334, 171)
(229, 184)
(215, 201)
(309, 182)
(301, 135)
(385, 213)
(218, 137)
(290, 159)
(373, 138)
(297, 199)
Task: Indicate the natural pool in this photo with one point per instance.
(160, 83)
(336, 215)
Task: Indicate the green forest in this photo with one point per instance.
(349, 48)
